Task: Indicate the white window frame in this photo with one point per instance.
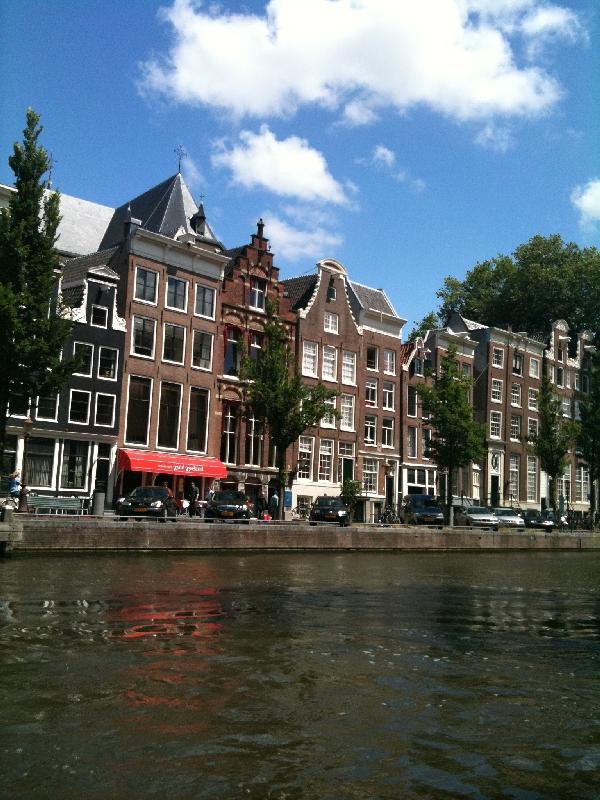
(532, 399)
(104, 424)
(328, 351)
(372, 387)
(331, 322)
(306, 444)
(47, 419)
(348, 364)
(514, 476)
(156, 287)
(212, 347)
(532, 426)
(532, 495)
(309, 358)
(517, 365)
(176, 446)
(389, 361)
(101, 308)
(412, 441)
(387, 432)
(91, 372)
(184, 329)
(495, 422)
(410, 392)
(258, 288)
(87, 420)
(534, 367)
(132, 349)
(115, 350)
(497, 390)
(151, 397)
(515, 427)
(516, 396)
(347, 402)
(214, 302)
(324, 444)
(207, 429)
(370, 426)
(185, 298)
(376, 367)
(371, 469)
(498, 357)
(328, 421)
(388, 396)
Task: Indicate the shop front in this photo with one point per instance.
(148, 468)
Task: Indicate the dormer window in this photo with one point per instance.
(99, 317)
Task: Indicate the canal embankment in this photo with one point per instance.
(63, 533)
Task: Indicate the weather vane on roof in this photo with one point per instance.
(180, 153)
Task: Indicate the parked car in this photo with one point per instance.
(329, 509)
(509, 518)
(421, 509)
(228, 505)
(147, 501)
(477, 516)
(542, 520)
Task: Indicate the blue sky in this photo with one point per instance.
(407, 140)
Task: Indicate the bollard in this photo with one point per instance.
(98, 504)
(7, 514)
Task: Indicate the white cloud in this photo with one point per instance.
(288, 167)
(383, 155)
(292, 243)
(586, 200)
(193, 176)
(357, 56)
(495, 138)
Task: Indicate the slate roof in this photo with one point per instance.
(373, 299)
(165, 209)
(77, 269)
(299, 290)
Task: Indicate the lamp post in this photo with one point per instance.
(27, 426)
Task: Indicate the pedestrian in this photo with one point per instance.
(193, 495)
(168, 488)
(14, 484)
(274, 505)
(261, 506)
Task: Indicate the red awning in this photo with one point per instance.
(171, 464)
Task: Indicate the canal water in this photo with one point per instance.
(295, 676)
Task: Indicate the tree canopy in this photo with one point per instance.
(33, 330)
(276, 395)
(545, 279)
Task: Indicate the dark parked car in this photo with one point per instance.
(228, 505)
(421, 509)
(329, 509)
(542, 520)
(147, 501)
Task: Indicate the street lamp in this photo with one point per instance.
(27, 426)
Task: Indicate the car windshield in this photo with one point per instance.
(429, 508)
(420, 501)
(328, 502)
(229, 497)
(479, 510)
(149, 493)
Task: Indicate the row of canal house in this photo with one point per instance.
(161, 312)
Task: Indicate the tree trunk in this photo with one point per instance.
(281, 475)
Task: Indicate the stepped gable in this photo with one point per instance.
(168, 209)
(299, 290)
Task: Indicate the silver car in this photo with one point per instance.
(509, 518)
(477, 516)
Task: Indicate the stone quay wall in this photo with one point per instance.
(62, 533)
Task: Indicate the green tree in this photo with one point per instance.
(554, 437)
(589, 432)
(430, 321)
(349, 494)
(275, 395)
(33, 330)
(545, 279)
(457, 439)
